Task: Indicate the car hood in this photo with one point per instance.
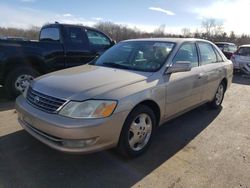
(87, 81)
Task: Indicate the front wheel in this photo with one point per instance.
(18, 80)
(137, 132)
(219, 96)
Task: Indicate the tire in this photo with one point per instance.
(219, 96)
(19, 75)
(136, 128)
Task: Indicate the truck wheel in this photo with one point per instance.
(137, 132)
(18, 80)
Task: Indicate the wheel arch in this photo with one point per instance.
(32, 62)
(224, 80)
(152, 105)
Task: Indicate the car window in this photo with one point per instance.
(146, 56)
(96, 38)
(232, 48)
(219, 58)
(221, 46)
(244, 51)
(75, 35)
(207, 53)
(50, 34)
(187, 52)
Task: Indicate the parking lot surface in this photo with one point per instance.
(203, 148)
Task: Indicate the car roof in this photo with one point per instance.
(245, 45)
(229, 43)
(74, 25)
(174, 40)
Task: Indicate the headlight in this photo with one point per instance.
(89, 109)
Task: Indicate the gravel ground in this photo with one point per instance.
(203, 148)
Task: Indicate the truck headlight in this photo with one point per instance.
(89, 109)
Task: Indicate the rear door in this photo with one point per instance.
(77, 47)
(212, 64)
(184, 89)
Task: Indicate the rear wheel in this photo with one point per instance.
(219, 96)
(18, 80)
(137, 132)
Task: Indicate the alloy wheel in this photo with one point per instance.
(22, 82)
(219, 95)
(140, 132)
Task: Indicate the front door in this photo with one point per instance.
(184, 89)
(77, 48)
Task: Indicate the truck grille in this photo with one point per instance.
(44, 102)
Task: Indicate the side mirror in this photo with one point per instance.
(179, 66)
(113, 42)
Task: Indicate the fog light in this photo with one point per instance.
(79, 143)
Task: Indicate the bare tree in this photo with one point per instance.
(212, 30)
(160, 31)
(186, 32)
(232, 36)
(212, 27)
(32, 33)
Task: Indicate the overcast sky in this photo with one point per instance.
(144, 14)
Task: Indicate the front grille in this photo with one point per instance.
(44, 102)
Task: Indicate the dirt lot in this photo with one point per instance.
(203, 148)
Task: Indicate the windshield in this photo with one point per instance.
(245, 51)
(147, 56)
(232, 48)
(227, 47)
(50, 34)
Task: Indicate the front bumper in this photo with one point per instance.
(57, 131)
(245, 67)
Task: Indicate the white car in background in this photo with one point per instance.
(241, 59)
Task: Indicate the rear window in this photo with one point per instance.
(244, 51)
(219, 58)
(50, 34)
(207, 53)
(221, 46)
(231, 48)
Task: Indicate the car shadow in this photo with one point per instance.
(241, 79)
(25, 162)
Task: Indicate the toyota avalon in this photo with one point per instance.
(122, 97)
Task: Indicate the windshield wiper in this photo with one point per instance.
(115, 65)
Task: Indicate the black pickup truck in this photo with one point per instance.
(60, 46)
